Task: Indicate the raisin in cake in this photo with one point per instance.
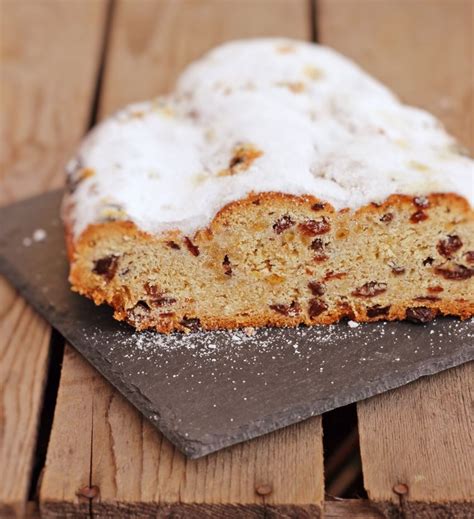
(278, 184)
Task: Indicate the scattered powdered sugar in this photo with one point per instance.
(39, 235)
(302, 341)
(220, 377)
(201, 342)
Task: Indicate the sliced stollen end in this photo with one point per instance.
(278, 184)
(280, 260)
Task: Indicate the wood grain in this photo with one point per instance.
(420, 435)
(99, 439)
(351, 509)
(24, 342)
(136, 470)
(45, 92)
(153, 40)
(68, 463)
(49, 53)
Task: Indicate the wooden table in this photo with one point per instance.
(68, 63)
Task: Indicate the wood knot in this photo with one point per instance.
(401, 489)
(263, 490)
(88, 492)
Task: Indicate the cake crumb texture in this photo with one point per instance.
(280, 260)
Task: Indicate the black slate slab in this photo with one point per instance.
(208, 390)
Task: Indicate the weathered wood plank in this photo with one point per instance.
(135, 469)
(68, 463)
(24, 342)
(100, 440)
(419, 435)
(50, 53)
(45, 93)
(156, 39)
(351, 509)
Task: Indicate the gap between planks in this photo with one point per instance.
(421, 434)
(96, 432)
(45, 96)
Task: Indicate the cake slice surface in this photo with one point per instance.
(278, 184)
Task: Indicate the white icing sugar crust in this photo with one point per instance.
(311, 121)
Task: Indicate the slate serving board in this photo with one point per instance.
(209, 390)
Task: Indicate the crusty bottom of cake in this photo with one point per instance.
(281, 260)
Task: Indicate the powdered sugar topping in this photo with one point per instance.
(256, 116)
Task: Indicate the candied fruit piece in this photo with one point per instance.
(193, 249)
(418, 216)
(283, 223)
(192, 324)
(157, 298)
(227, 266)
(318, 258)
(318, 246)
(421, 314)
(449, 246)
(106, 267)
(291, 310)
(334, 275)
(370, 289)
(456, 272)
(173, 245)
(387, 217)
(316, 307)
(427, 298)
(315, 227)
(377, 310)
(436, 289)
(317, 289)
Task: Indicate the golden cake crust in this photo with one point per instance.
(244, 281)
